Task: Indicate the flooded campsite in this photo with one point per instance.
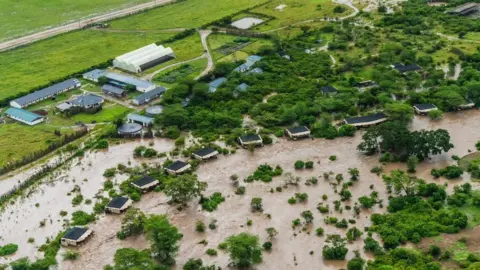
(37, 215)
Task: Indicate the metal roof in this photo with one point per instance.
(251, 60)
(113, 89)
(242, 87)
(425, 106)
(205, 151)
(129, 128)
(150, 94)
(299, 129)
(94, 74)
(87, 100)
(256, 71)
(22, 114)
(140, 118)
(144, 181)
(328, 89)
(129, 80)
(117, 202)
(217, 82)
(251, 138)
(177, 165)
(46, 92)
(365, 119)
(75, 233)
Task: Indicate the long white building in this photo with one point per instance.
(143, 58)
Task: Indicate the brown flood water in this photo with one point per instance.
(291, 247)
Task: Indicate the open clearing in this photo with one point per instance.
(21, 17)
(37, 64)
(186, 14)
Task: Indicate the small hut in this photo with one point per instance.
(297, 132)
(118, 205)
(75, 236)
(253, 139)
(424, 108)
(205, 153)
(178, 167)
(145, 183)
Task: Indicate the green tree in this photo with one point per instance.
(132, 223)
(132, 259)
(435, 114)
(174, 115)
(402, 182)
(244, 250)
(399, 112)
(163, 238)
(335, 249)
(412, 163)
(183, 188)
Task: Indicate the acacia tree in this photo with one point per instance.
(402, 182)
(130, 258)
(183, 188)
(163, 238)
(337, 249)
(244, 250)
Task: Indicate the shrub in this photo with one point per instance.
(319, 231)
(299, 165)
(101, 144)
(353, 234)
(70, 255)
(172, 132)
(222, 246)
(435, 114)
(211, 252)
(332, 158)
(8, 249)
(449, 172)
(296, 222)
(211, 204)
(335, 249)
(256, 204)
(149, 153)
(434, 250)
(77, 200)
(82, 218)
(240, 190)
(371, 245)
(309, 164)
(110, 172)
(292, 200)
(267, 246)
(302, 197)
(200, 226)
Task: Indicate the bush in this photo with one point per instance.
(8, 249)
(200, 226)
(267, 246)
(302, 197)
(319, 231)
(299, 165)
(211, 204)
(434, 250)
(435, 114)
(82, 218)
(101, 144)
(211, 252)
(371, 245)
(77, 200)
(356, 263)
(265, 173)
(332, 158)
(256, 204)
(309, 164)
(292, 200)
(172, 132)
(70, 255)
(450, 172)
(110, 172)
(335, 249)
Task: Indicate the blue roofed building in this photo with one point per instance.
(149, 96)
(213, 85)
(251, 60)
(119, 80)
(24, 116)
(45, 93)
(94, 75)
(256, 71)
(140, 119)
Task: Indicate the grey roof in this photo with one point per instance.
(128, 80)
(425, 106)
(117, 202)
(242, 87)
(328, 89)
(22, 114)
(256, 71)
(365, 119)
(113, 89)
(64, 106)
(75, 233)
(251, 60)
(204, 152)
(250, 138)
(177, 165)
(140, 118)
(144, 181)
(464, 7)
(129, 128)
(150, 94)
(46, 92)
(217, 82)
(299, 129)
(87, 100)
(94, 74)
(406, 68)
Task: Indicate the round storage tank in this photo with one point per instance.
(154, 110)
(130, 128)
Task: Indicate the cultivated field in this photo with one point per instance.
(37, 64)
(186, 14)
(21, 17)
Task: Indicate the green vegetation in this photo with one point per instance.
(82, 218)
(403, 258)
(210, 204)
(264, 173)
(183, 188)
(126, 258)
(8, 249)
(132, 224)
(19, 18)
(164, 239)
(244, 250)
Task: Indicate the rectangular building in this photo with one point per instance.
(366, 121)
(111, 90)
(143, 58)
(24, 116)
(148, 96)
(45, 93)
(140, 119)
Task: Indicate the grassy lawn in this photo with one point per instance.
(236, 56)
(195, 68)
(20, 17)
(297, 11)
(186, 14)
(37, 64)
(32, 139)
(110, 112)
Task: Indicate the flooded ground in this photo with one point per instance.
(291, 247)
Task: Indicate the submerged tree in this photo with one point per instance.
(244, 250)
(183, 188)
(163, 238)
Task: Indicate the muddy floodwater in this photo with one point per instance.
(292, 248)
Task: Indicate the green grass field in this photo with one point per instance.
(21, 17)
(37, 64)
(297, 11)
(187, 14)
(32, 139)
(110, 112)
(197, 67)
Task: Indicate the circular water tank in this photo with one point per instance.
(154, 110)
(130, 128)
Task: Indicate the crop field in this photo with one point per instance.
(37, 64)
(187, 14)
(21, 17)
(170, 77)
(296, 11)
(223, 47)
(32, 139)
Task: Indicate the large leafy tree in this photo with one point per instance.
(183, 188)
(401, 182)
(132, 259)
(399, 112)
(132, 223)
(244, 250)
(163, 237)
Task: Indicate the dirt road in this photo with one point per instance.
(78, 25)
